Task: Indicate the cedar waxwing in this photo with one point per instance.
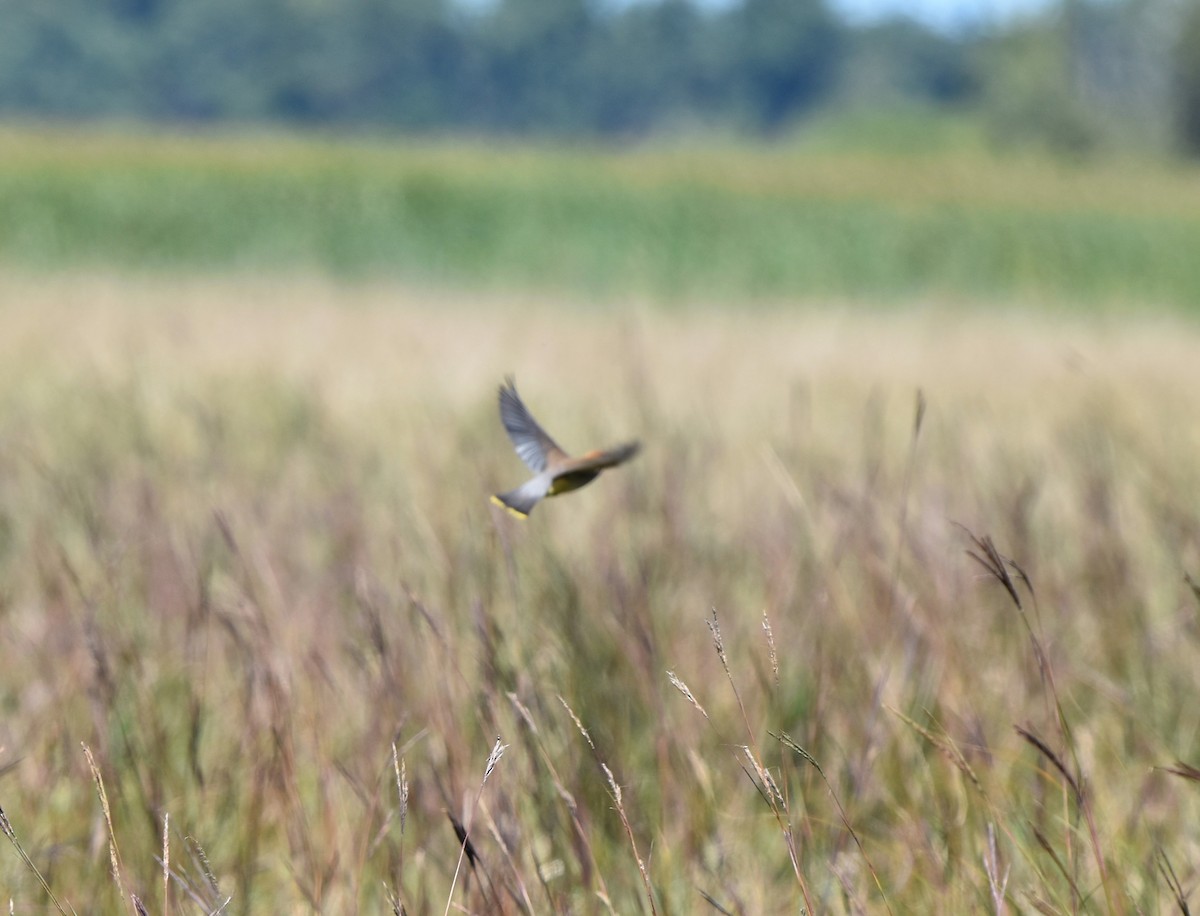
(557, 472)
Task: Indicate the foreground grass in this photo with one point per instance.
(675, 224)
(246, 556)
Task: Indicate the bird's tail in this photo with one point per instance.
(520, 502)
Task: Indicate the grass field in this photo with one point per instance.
(246, 556)
(673, 224)
(892, 614)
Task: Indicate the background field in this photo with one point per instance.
(737, 223)
(246, 547)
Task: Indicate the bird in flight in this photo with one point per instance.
(554, 470)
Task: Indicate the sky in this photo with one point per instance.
(942, 14)
(945, 15)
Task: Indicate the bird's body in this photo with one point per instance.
(555, 471)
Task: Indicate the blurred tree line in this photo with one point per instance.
(1084, 73)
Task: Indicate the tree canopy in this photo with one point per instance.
(590, 68)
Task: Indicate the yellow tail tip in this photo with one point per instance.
(503, 505)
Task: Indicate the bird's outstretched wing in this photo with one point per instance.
(608, 458)
(532, 443)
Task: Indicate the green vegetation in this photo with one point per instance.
(784, 222)
(246, 550)
(1080, 76)
(563, 67)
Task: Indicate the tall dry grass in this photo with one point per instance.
(816, 648)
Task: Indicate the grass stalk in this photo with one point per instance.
(464, 847)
